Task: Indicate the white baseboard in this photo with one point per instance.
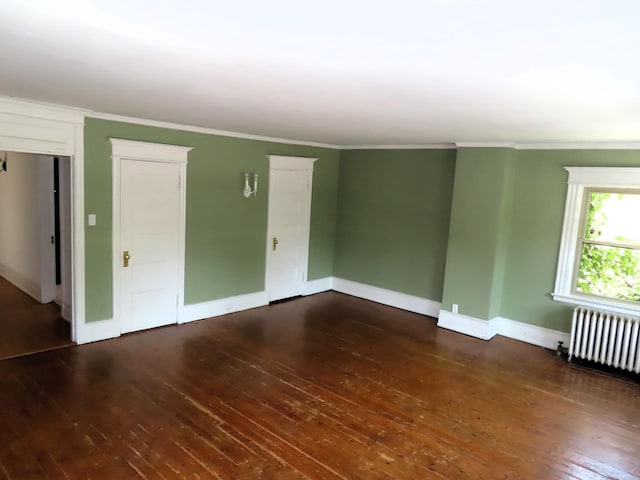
(317, 286)
(23, 283)
(96, 331)
(65, 311)
(525, 332)
(474, 327)
(403, 301)
(487, 329)
(215, 308)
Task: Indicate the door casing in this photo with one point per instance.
(37, 128)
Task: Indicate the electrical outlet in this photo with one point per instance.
(454, 308)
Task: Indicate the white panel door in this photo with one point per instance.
(288, 232)
(150, 216)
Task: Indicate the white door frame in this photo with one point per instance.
(46, 229)
(30, 127)
(146, 152)
(281, 162)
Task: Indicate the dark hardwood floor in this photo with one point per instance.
(323, 387)
(27, 326)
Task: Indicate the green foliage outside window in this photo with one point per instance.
(611, 270)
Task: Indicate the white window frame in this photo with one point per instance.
(581, 181)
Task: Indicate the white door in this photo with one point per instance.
(290, 180)
(150, 244)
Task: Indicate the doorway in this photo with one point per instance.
(35, 237)
(290, 186)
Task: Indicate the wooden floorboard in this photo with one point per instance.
(28, 327)
(322, 387)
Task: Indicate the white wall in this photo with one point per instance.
(21, 230)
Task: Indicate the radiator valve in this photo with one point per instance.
(562, 351)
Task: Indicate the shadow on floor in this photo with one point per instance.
(28, 327)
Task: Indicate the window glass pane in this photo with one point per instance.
(614, 218)
(610, 272)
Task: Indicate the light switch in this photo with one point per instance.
(92, 219)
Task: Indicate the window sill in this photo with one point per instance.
(598, 304)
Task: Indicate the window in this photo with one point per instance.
(599, 262)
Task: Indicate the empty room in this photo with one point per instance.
(284, 240)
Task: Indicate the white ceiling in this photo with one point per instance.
(338, 72)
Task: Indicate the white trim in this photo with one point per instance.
(215, 308)
(319, 285)
(47, 129)
(282, 162)
(513, 145)
(392, 298)
(96, 331)
(533, 334)
(487, 329)
(568, 242)
(149, 152)
(77, 235)
(146, 152)
(76, 115)
(423, 146)
(486, 145)
(46, 229)
(209, 131)
(474, 327)
(41, 110)
(597, 303)
(23, 283)
(579, 146)
(65, 311)
(579, 180)
(553, 145)
(602, 177)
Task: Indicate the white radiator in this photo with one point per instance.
(606, 338)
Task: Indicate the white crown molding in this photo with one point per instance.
(553, 145)
(580, 146)
(424, 146)
(33, 108)
(209, 131)
(486, 145)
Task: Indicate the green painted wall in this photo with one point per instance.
(225, 233)
(479, 231)
(536, 227)
(388, 218)
(393, 219)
